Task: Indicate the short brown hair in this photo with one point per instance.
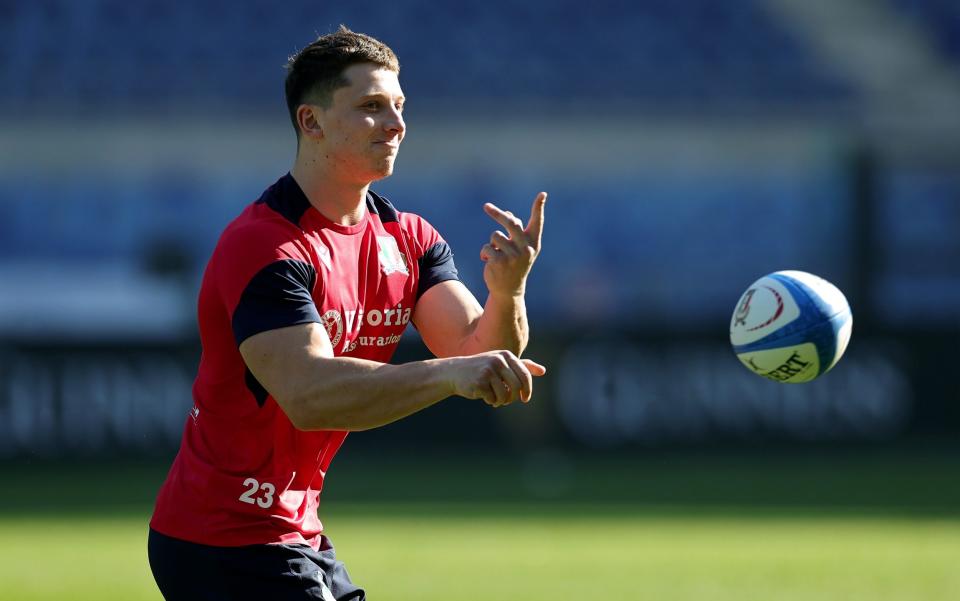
(316, 72)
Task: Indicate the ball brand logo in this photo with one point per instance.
(793, 366)
(776, 313)
(740, 319)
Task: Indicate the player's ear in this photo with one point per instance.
(308, 119)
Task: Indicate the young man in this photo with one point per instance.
(301, 307)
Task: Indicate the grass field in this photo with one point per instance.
(878, 527)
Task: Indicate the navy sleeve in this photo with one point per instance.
(279, 295)
(436, 265)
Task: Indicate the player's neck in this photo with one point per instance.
(343, 203)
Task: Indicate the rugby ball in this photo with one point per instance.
(791, 326)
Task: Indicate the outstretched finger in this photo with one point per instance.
(535, 368)
(535, 226)
(513, 225)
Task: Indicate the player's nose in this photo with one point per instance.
(395, 124)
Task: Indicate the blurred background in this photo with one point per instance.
(688, 148)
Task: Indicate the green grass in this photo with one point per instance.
(77, 558)
(587, 556)
(874, 527)
(471, 554)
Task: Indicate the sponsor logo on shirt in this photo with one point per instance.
(334, 325)
(342, 326)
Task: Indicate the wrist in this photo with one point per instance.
(443, 377)
(508, 295)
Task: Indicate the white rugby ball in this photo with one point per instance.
(791, 326)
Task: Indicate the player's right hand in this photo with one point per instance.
(497, 377)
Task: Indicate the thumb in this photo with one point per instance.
(535, 368)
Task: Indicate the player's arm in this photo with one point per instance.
(318, 391)
(449, 318)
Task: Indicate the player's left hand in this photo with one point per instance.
(509, 256)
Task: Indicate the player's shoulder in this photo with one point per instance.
(261, 234)
(257, 227)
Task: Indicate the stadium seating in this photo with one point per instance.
(100, 56)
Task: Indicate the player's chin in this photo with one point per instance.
(382, 169)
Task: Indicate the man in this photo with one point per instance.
(301, 307)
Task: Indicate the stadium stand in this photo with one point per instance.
(101, 56)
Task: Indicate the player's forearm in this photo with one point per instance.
(503, 325)
(344, 393)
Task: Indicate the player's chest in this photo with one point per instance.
(365, 291)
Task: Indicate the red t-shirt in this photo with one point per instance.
(244, 474)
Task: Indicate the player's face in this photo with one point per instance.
(363, 127)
